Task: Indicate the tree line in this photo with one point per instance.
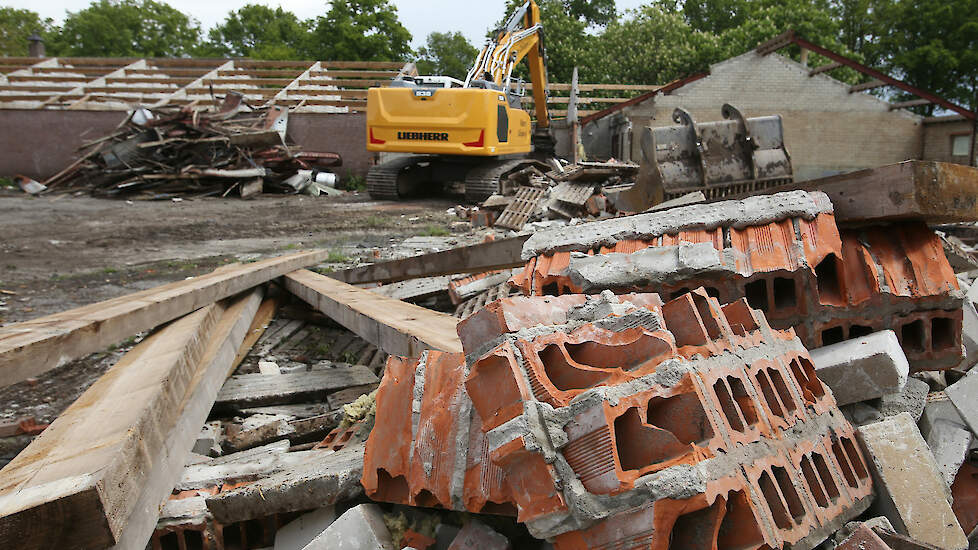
(928, 43)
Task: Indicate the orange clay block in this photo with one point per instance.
(620, 421)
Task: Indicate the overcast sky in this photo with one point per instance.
(419, 16)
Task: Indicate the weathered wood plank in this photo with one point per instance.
(476, 258)
(98, 475)
(32, 347)
(415, 289)
(397, 327)
(313, 484)
(255, 390)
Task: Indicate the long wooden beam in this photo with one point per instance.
(98, 475)
(33, 347)
(397, 327)
(476, 258)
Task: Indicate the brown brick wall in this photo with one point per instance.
(937, 139)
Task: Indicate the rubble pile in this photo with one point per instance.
(174, 152)
(579, 191)
(777, 371)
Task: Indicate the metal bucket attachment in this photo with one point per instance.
(729, 157)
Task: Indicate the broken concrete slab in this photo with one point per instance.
(359, 528)
(949, 444)
(325, 480)
(862, 538)
(910, 490)
(911, 400)
(476, 535)
(964, 395)
(244, 466)
(862, 368)
(300, 531)
(969, 334)
(253, 390)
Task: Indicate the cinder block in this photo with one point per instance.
(969, 333)
(949, 444)
(299, 532)
(910, 400)
(862, 368)
(476, 535)
(359, 528)
(964, 395)
(911, 492)
(863, 538)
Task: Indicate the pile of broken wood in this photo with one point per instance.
(169, 152)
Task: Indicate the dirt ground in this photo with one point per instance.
(62, 252)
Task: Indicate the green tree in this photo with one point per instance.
(16, 25)
(123, 28)
(933, 44)
(446, 53)
(260, 32)
(651, 45)
(360, 30)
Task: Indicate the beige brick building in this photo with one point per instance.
(828, 129)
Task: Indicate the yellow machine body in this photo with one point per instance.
(445, 121)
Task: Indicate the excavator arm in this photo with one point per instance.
(521, 37)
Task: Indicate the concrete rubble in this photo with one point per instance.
(751, 373)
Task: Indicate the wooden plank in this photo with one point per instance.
(32, 347)
(346, 82)
(866, 86)
(936, 192)
(264, 316)
(524, 205)
(256, 390)
(353, 74)
(397, 327)
(824, 68)
(320, 481)
(910, 103)
(475, 258)
(98, 475)
(414, 289)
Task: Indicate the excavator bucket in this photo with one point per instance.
(729, 157)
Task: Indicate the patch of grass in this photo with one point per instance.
(348, 357)
(321, 349)
(7, 182)
(435, 231)
(292, 246)
(326, 270)
(374, 221)
(336, 257)
(110, 270)
(354, 183)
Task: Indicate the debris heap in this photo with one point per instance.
(169, 152)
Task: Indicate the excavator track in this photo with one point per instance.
(482, 181)
(382, 178)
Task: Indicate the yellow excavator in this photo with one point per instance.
(474, 132)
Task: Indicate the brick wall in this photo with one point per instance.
(39, 143)
(827, 130)
(938, 135)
